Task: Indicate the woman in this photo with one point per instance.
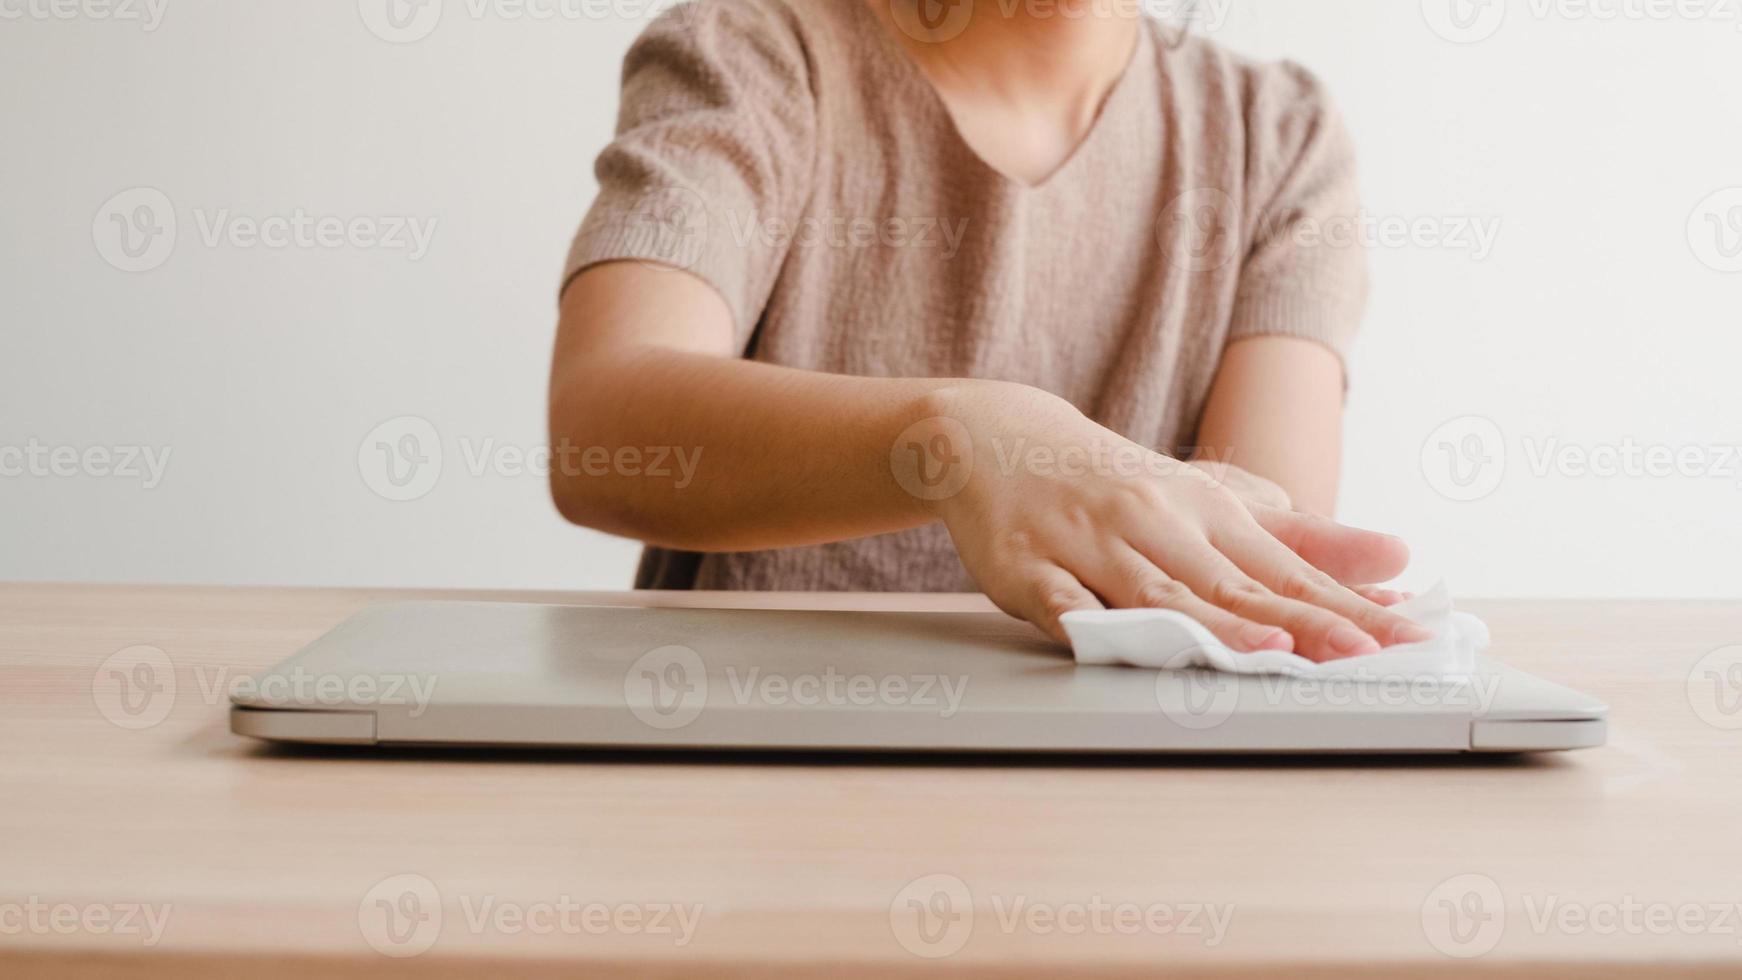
(957, 295)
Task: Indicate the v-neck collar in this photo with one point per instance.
(1105, 117)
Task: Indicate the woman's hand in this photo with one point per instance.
(1057, 513)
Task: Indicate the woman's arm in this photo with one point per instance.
(644, 360)
(1276, 411)
(782, 457)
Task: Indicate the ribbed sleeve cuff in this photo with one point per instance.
(1305, 315)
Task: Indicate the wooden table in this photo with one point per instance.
(178, 849)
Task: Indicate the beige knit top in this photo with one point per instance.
(791, 155)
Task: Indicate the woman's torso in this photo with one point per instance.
(1110, 284)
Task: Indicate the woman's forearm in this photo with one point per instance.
(759, 456)
(1276, 410)
(661, 432)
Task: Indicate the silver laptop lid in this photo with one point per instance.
(520, 674)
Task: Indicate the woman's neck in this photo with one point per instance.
(1065, 55)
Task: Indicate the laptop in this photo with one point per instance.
(607, 677)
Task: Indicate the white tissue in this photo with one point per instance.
(1167, 640)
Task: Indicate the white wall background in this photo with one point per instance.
(1603, 317)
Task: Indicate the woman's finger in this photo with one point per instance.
(1041, 593)
(1349, 555)
(1287, 574)
(1319, 634)
(1127, 580)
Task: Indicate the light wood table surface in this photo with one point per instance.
(260, 861)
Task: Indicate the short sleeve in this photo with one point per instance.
(715, 141)
(1305, 273)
